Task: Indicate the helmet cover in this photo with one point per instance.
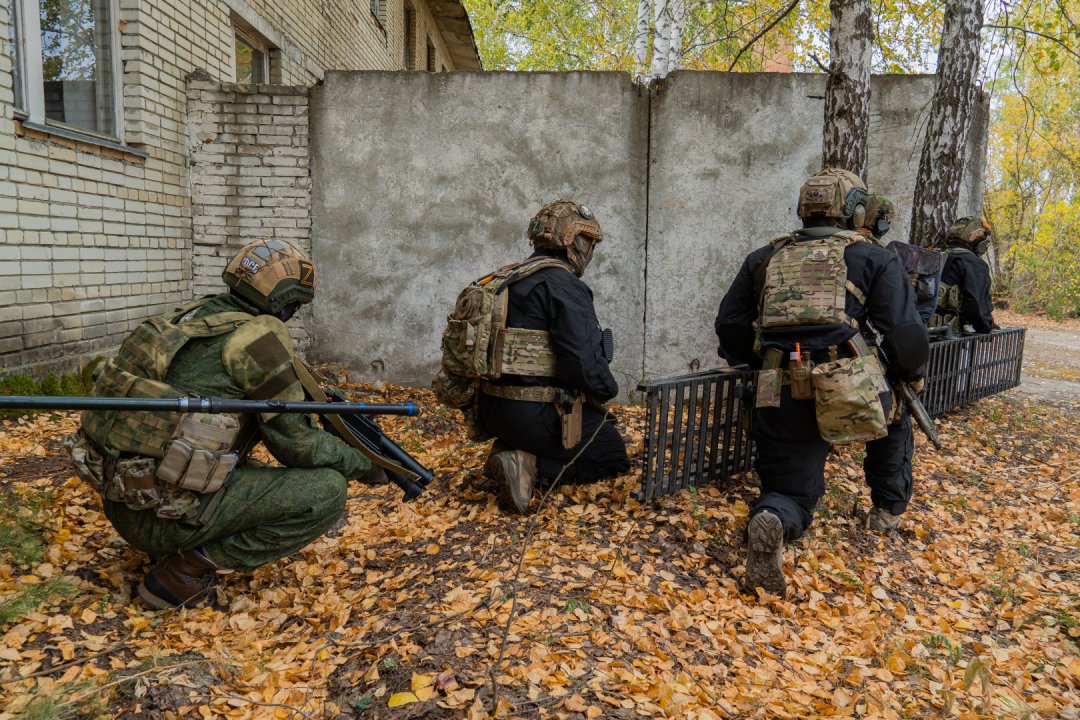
(566, 224)
(271, 274)
(879, 213)
(969, 231)
(832, 193)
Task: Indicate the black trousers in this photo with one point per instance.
(791, 464)
(534, 427)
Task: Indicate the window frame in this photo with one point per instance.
(31, 62)
(257, 43)
(409, 38)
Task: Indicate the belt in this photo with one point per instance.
(519, 392)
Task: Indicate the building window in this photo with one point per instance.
(15, 44)
(409, 38)
(65, 63)
(430, 56)
(252, 61)
(376, 9)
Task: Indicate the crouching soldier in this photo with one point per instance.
(965, 280)
(179, 486)
(798, 309)
(523, 358)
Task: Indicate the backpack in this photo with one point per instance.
(477, 345)
(806, 284)
(924, 267)
(157, 459)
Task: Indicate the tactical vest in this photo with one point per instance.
(478, 347)
(949, 299)
(158, 460)
(806, 284)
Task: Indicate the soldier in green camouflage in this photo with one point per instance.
(183, 489)
(797, 309)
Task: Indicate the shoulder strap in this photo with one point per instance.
(954, 251)
(779, 243)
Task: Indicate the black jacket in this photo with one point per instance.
(890, 307)
(558, 301)
(971, 274)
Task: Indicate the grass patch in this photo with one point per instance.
(67, 385)
(22, 544)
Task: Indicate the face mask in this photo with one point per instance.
(881, 227)
(580, 253)
(285, 314)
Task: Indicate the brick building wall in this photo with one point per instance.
(92, 238)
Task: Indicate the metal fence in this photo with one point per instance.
(699, 427)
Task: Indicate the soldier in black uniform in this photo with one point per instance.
(965, 280)
(790, 447)
(529, 443)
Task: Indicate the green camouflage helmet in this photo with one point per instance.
(968, 230)
(833, 193)
(270, 274)
(879, 214)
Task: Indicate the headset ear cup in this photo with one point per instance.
(981, 247)
(858, 218)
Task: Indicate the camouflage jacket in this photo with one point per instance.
(227, 367)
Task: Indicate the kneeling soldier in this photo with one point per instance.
(798, 308)
(965, 280)
(523, 358)
(180, 486)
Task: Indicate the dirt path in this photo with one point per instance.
(1051, 358)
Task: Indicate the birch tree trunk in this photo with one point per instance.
(641, 38)
(678, 16)
(944, 152)
(846, 138)
(661, 38)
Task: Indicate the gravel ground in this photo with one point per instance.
(1051, 357)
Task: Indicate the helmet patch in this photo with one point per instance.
(250, 265)
(585, 212)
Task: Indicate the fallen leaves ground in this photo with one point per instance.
(623, 610)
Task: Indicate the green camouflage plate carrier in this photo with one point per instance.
(477, 345)
(806, 284)
(194, 446)
(949, 300)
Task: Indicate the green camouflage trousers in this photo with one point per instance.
(265, 514)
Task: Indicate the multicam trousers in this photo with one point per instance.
(266, 513)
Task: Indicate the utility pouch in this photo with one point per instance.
(568, 406)
(802, 387)
(768, 390)
(848, 399)
(88, 462)
(136, 482)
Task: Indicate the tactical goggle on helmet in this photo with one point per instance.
(270, 274)
(834, 193)
(971, 231)
(559, 222)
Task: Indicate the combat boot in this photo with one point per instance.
(180, 580)
(882, 521)
(765, 554)
(514, 472)
(489, 468)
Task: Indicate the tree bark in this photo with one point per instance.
(944, 152)
(846, 137)
(661, 37)
(641, 38)
(678, 16)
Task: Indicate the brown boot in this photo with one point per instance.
(515, 474)
(765, 554)
(180, 580)
(882, 521)
(496, 447)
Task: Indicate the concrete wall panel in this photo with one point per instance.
(422, 183)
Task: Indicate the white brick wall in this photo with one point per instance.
(94, 240)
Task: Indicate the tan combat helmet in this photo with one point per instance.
(836, 195)
(570, 225)
(271, 275)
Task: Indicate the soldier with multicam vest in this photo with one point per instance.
(180, 486)
(798, 309)
(523, 358)
(965, 279)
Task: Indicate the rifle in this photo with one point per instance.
(198, 405)
(412, 479)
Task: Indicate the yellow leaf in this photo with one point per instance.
(464, 652)
(425, 693)
(420, 681)
(402, 698)
(575, 703)
(432, 549)
(880, 593)
(593, 712)
(841, 698)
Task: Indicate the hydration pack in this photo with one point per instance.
(924, 267)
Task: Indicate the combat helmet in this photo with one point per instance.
(570, 225)
(971, 231)
(272, 275)
(879, 212)
(834, 194)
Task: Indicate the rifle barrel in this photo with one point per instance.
(204, 405)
